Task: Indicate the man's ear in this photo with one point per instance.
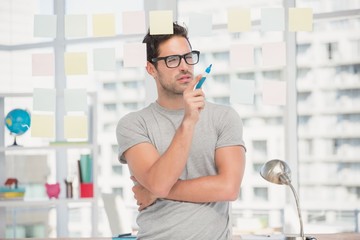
(150, 68)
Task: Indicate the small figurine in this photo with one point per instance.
(11, 190)
(69, 188)
(11, 181)
(52, 190)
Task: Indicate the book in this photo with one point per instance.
(86, 168)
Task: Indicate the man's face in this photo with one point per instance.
(173, 80)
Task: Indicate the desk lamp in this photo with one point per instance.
(277, 171)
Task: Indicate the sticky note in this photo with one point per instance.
(104, 59)
(103, 25)
(239, 20)
(45, 26)
(75, 126)
(133, 22)
(242, 91)
(75, 100)
(300, 19)
(44, 99)
(200, 25)
(161, 22)
(42, 125)
(241, 56)
(274, 54)
(272, 19)
(75, 63)
(76, 26)
(135, 55)
(43, 64)
(274, 92)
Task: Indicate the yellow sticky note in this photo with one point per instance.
(103, 25)
(42, 125)
(161, 22)
(75, 63)
(239, 20)
(75, 126)
(300, 19)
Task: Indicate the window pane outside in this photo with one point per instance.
(328, 86)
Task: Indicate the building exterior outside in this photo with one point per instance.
(328, 90)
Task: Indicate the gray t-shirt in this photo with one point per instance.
(218, 126)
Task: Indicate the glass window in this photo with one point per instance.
(328, 144)
(261, 194)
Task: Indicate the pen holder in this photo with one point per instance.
(86, 190)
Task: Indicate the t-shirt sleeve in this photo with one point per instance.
(230, 131)
(129, 132)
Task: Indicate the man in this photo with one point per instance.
(186, 155)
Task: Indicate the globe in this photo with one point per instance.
(18, 122)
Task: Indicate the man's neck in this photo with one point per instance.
(175, 103)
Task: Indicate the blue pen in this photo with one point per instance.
(204, 75)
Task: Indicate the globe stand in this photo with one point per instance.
(15, 143)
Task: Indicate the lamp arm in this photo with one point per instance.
(298, 209)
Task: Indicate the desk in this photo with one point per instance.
(336, 236)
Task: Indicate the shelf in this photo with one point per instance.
(41, 203)
(49, 147)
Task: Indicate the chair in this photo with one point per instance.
(117, 214)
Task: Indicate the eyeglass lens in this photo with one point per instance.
(174, 61)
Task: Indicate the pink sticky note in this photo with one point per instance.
(274, 54)
(43, 64)
(133, 22)
(135, 55)
(274, 92)
(242, 56)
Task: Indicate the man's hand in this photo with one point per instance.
(194, 100)
(144, 197)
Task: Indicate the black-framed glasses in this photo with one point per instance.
(173, 61)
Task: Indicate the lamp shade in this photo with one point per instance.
(276, 171)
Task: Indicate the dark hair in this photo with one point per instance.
(153, 41)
